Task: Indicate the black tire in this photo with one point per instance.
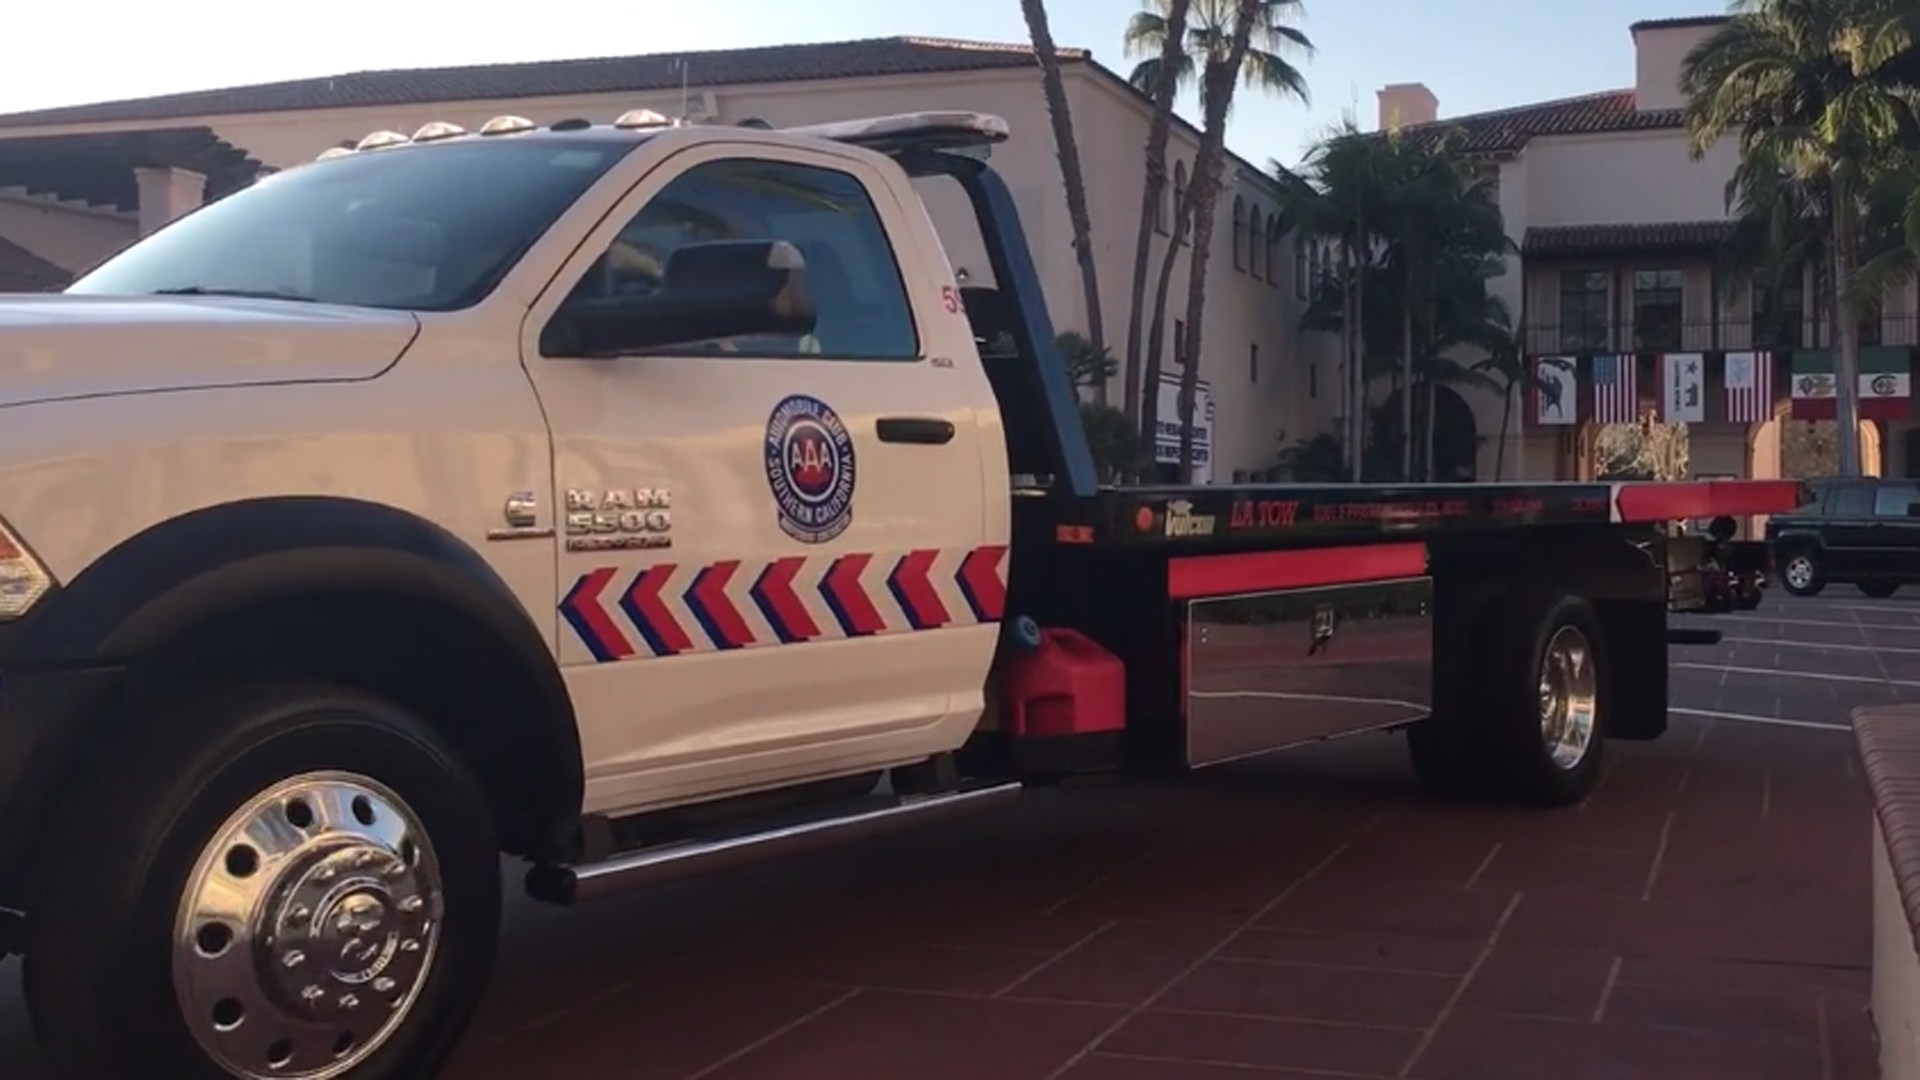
(1879, 590)
(1446, 761)
(100, 958)
(1509, 724)
(1802, 565)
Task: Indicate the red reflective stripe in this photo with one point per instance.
(1223, 575)
(1706, 499)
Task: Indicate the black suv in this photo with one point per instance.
(1863, 531)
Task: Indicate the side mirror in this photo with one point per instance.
(719, 289)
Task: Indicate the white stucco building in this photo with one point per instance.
(1618, 229)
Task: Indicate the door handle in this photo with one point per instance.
(926, 430)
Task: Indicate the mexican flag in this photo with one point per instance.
(1886, 384)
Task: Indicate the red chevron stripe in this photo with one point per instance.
(780, 604)
(591, 616)
(917, 597)
(714, 608)
(848, 597)
(980, 582)
(650, 614)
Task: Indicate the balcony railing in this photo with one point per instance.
(1545, 337)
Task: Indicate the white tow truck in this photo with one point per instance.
(635, 499)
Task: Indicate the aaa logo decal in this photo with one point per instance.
(810, 469)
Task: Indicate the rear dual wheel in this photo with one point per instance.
(1530, 724)
(296, 883)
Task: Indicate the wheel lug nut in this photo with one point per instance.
(384, 985)
(349, 1001)
(411, 904)
(409, 945)
(294, 958)
(312, 993)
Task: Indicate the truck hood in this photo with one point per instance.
(59, 347)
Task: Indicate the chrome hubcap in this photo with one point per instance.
(307, 928)
(1568, 697)
(1799, 571)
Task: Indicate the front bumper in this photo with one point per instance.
(44, 715)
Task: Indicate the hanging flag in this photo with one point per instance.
(1616, 393)
(1683, 398)
(1749, 379)
(1813, 386)
(1886, 383)
(1556, 394)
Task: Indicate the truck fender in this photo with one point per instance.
(196, 567)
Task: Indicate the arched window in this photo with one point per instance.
(1239, 233)
(1160, 215)
(1179, 195)
(1299, 267)
(1255, 250)
(1273, 250)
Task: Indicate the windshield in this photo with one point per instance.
(430, 228)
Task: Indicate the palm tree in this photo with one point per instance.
(1819, 92)
(1167, 27)
(1068, 149)
(1340, 197)
(1229, 43)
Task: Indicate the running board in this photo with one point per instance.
(655, 865)
(1679, 635)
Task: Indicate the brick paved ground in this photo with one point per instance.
(1705, 916)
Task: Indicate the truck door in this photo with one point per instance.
(776, 561)
(1849, 529)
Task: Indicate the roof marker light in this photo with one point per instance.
(379, 140)
(506, 125)
(332, 152)
(438, 129)
(641, 118)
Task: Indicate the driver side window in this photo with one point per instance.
(859, 296)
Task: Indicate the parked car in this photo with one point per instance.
(1861, 531)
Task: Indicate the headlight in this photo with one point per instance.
(23, 581)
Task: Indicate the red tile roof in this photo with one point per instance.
(1648, 238)
(560, 78)
(1684, 22)
(1504, 131)
(23, 271)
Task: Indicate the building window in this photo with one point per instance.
(1657, 310)
(1870, 328)
(1300, 272)
(1583, 310)
(1254, 248)
(1779, 314)
(1179, 345)
(1253, 363)
(1160, 216)
(1239, 234)
(1180, 198)
(1273, 250)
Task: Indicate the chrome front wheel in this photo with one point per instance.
(307, 928)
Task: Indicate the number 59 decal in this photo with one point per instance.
(950, 298)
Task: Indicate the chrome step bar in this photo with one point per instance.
(655, 865)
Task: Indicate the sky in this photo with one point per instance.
(1486, 55)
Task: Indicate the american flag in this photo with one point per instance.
(1616, 394)
(1749, 387)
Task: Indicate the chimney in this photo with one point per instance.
(1406, 104)
(1660, 48)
